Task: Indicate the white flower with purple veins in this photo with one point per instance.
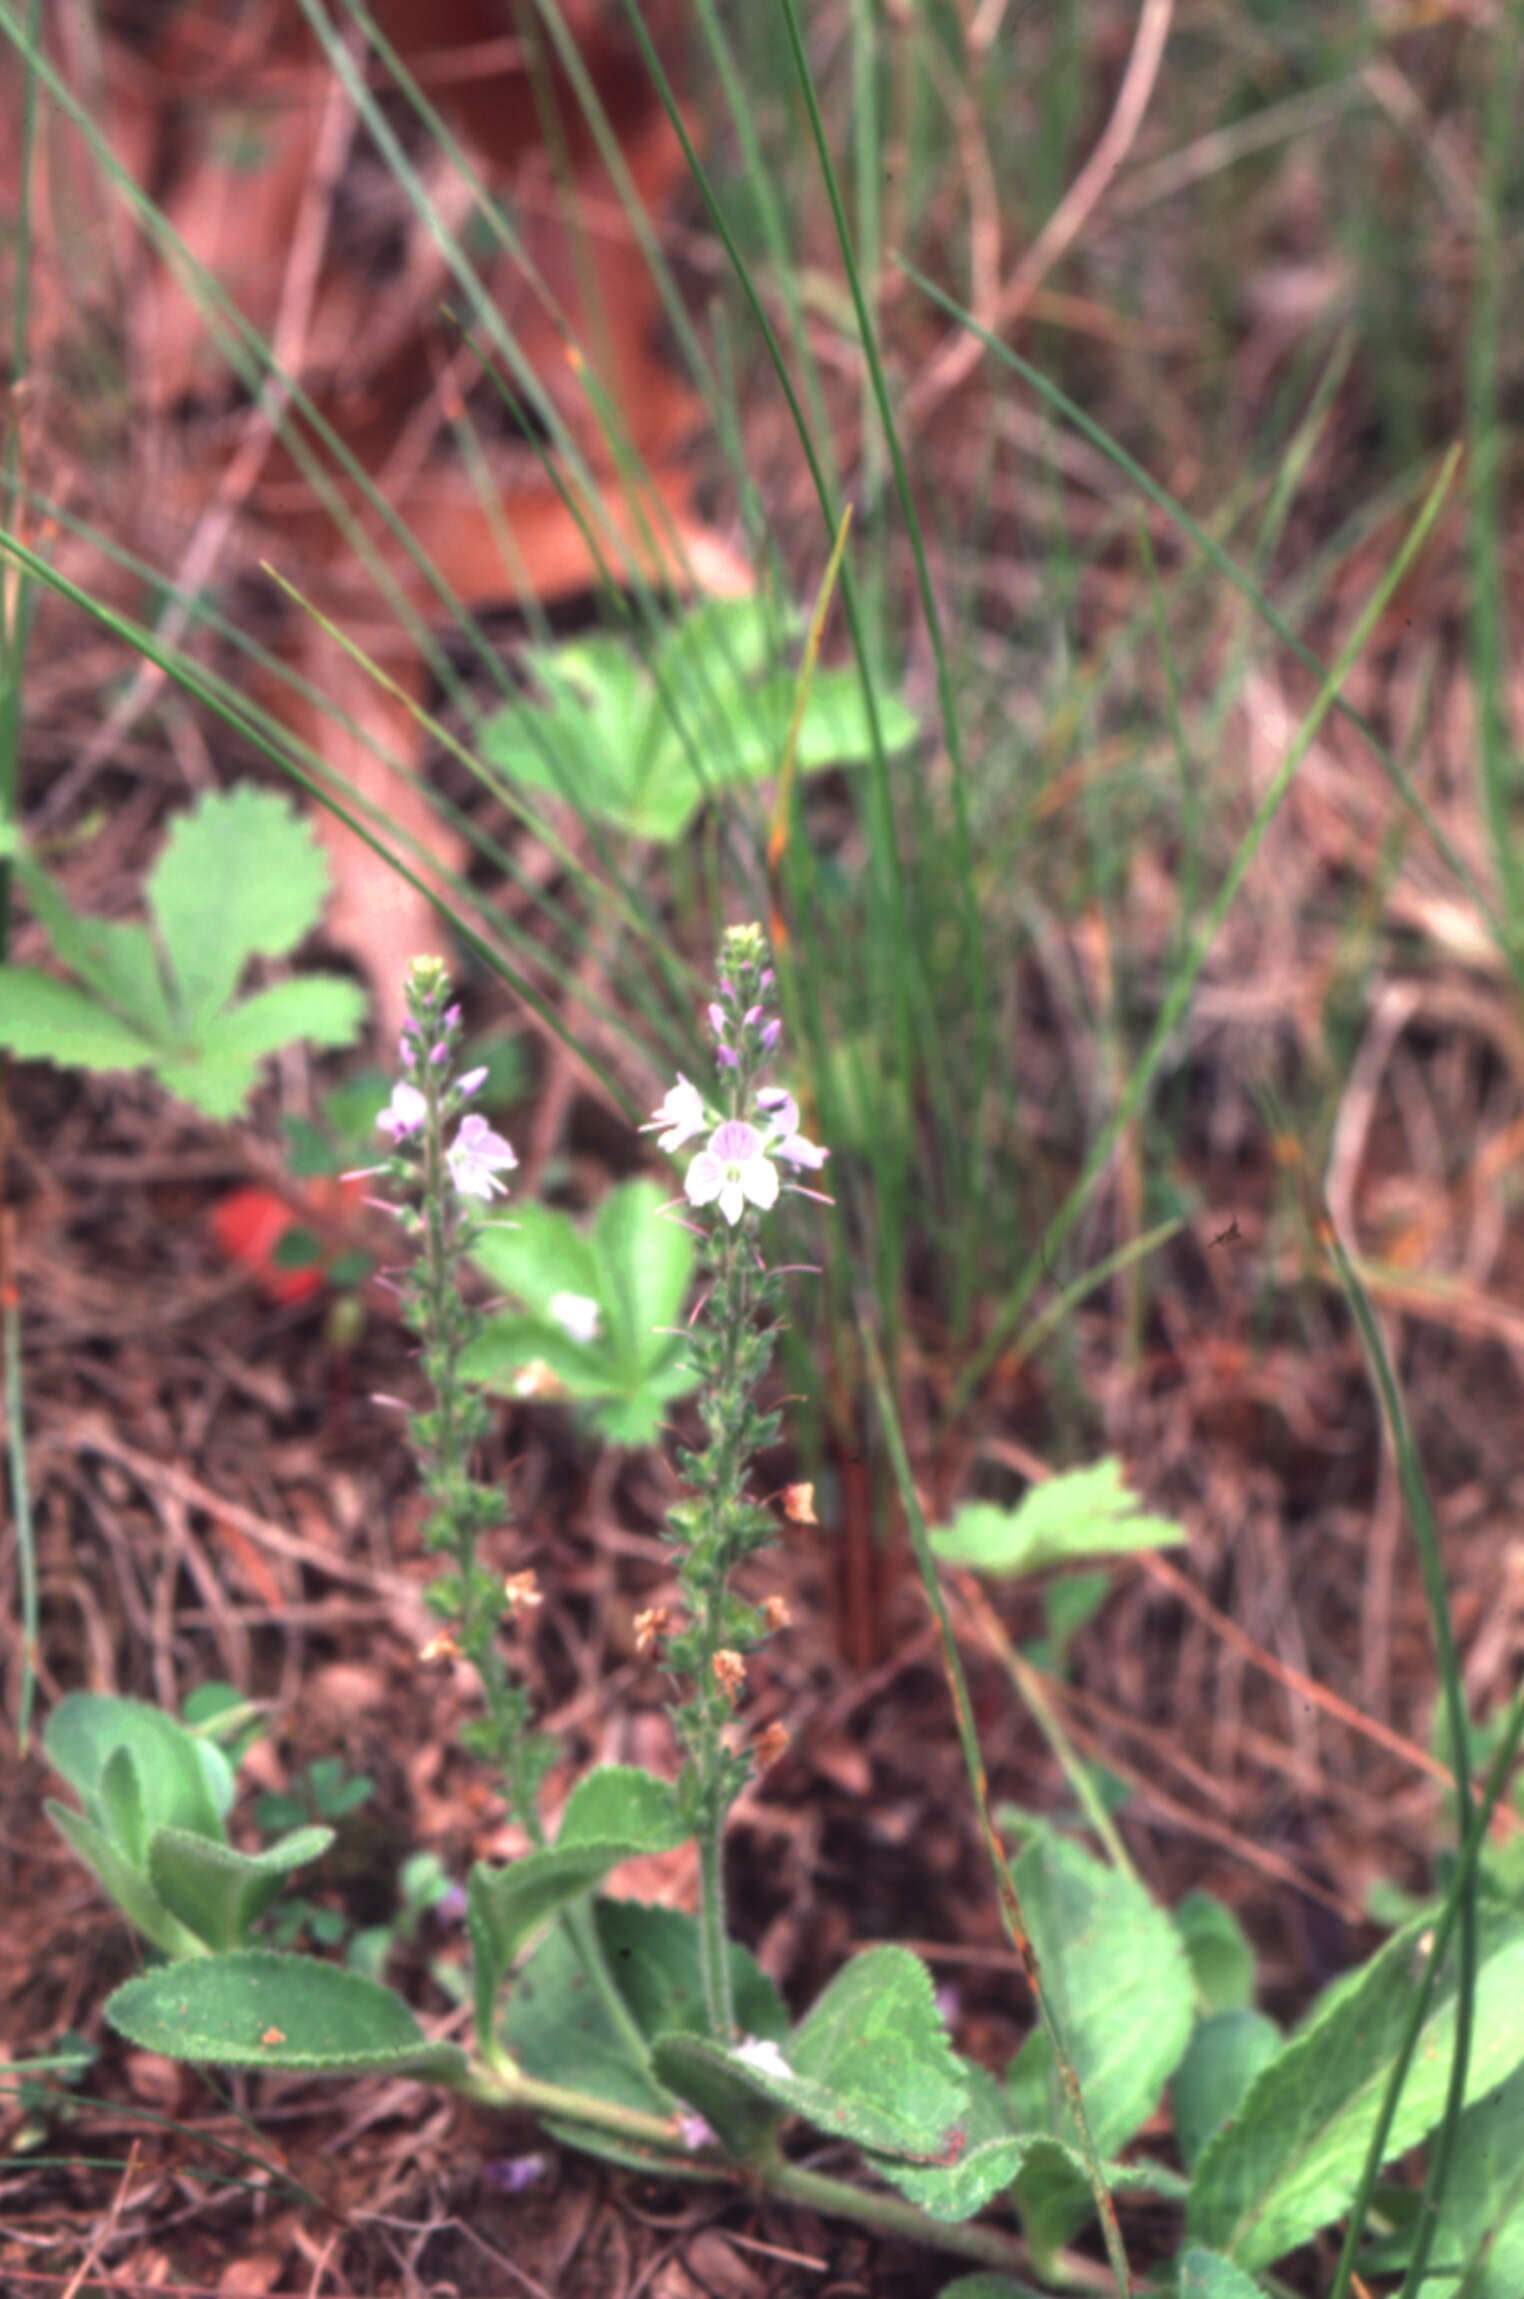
(682, 1113)
(404, 1113)
(577, 1314)
(477, 1156)
(733, 1172)
(784, 1138)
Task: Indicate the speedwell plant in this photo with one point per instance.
(650, 2036)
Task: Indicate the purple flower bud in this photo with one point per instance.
(452, 1018)
(439, 1054)
(717, 1020)
(725, 987)
(772, 1031)
(766, 981)
(727, 1059)
(752, 1017)
(471, 1081)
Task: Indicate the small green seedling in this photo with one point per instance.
(240, 877)
(642, 749)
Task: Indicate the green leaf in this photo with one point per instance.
(46, 1021)
(1084, 1513)
(1290, 2160)
(1221, 1957)
(635, 1267)
(985, 2156)
(1207, 2275)
(1223, 2058)
(645, 750)
(119, 1800)
(219, 1073)
(218, 1893)
(1119, 1985)
(612, 1815)
(871, 2062)
(1479, 2240)
(123, 1882)
(240, 874)
(620, 1804)
(176, 1782)
(256, 2009)
(117, 961)
(988, 2285)
(558, 2028)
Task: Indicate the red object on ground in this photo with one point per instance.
(249, 1224)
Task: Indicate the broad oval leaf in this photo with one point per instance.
(1289, 2161)
(176, 1784)
(256, 2009)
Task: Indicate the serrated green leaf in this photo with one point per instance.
(1207, 2275)
(218, 1893)
(1221, 1956)
(1289, 2161)
(985, 2156)
(123, 1882)
(240, 875)
(1084, 1513)
(1222, 2059)
(620, 1804)
(256, 2009)
(318, 1009)
(174, 1780)
(46, 1021)
(871, 2062)
(1119, 1984)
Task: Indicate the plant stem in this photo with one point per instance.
(508, 2087)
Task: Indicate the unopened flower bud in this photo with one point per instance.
(776, 1613)
(440, 1647)
(769, 1746)
(799, 1504)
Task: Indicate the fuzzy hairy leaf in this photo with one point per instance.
(1289, 2161)
(256, 2009)
(1222, 1958)
(183, 1782)
(46, 1021)
(124, 1882)
(216, 1892)
(1207, 2275)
